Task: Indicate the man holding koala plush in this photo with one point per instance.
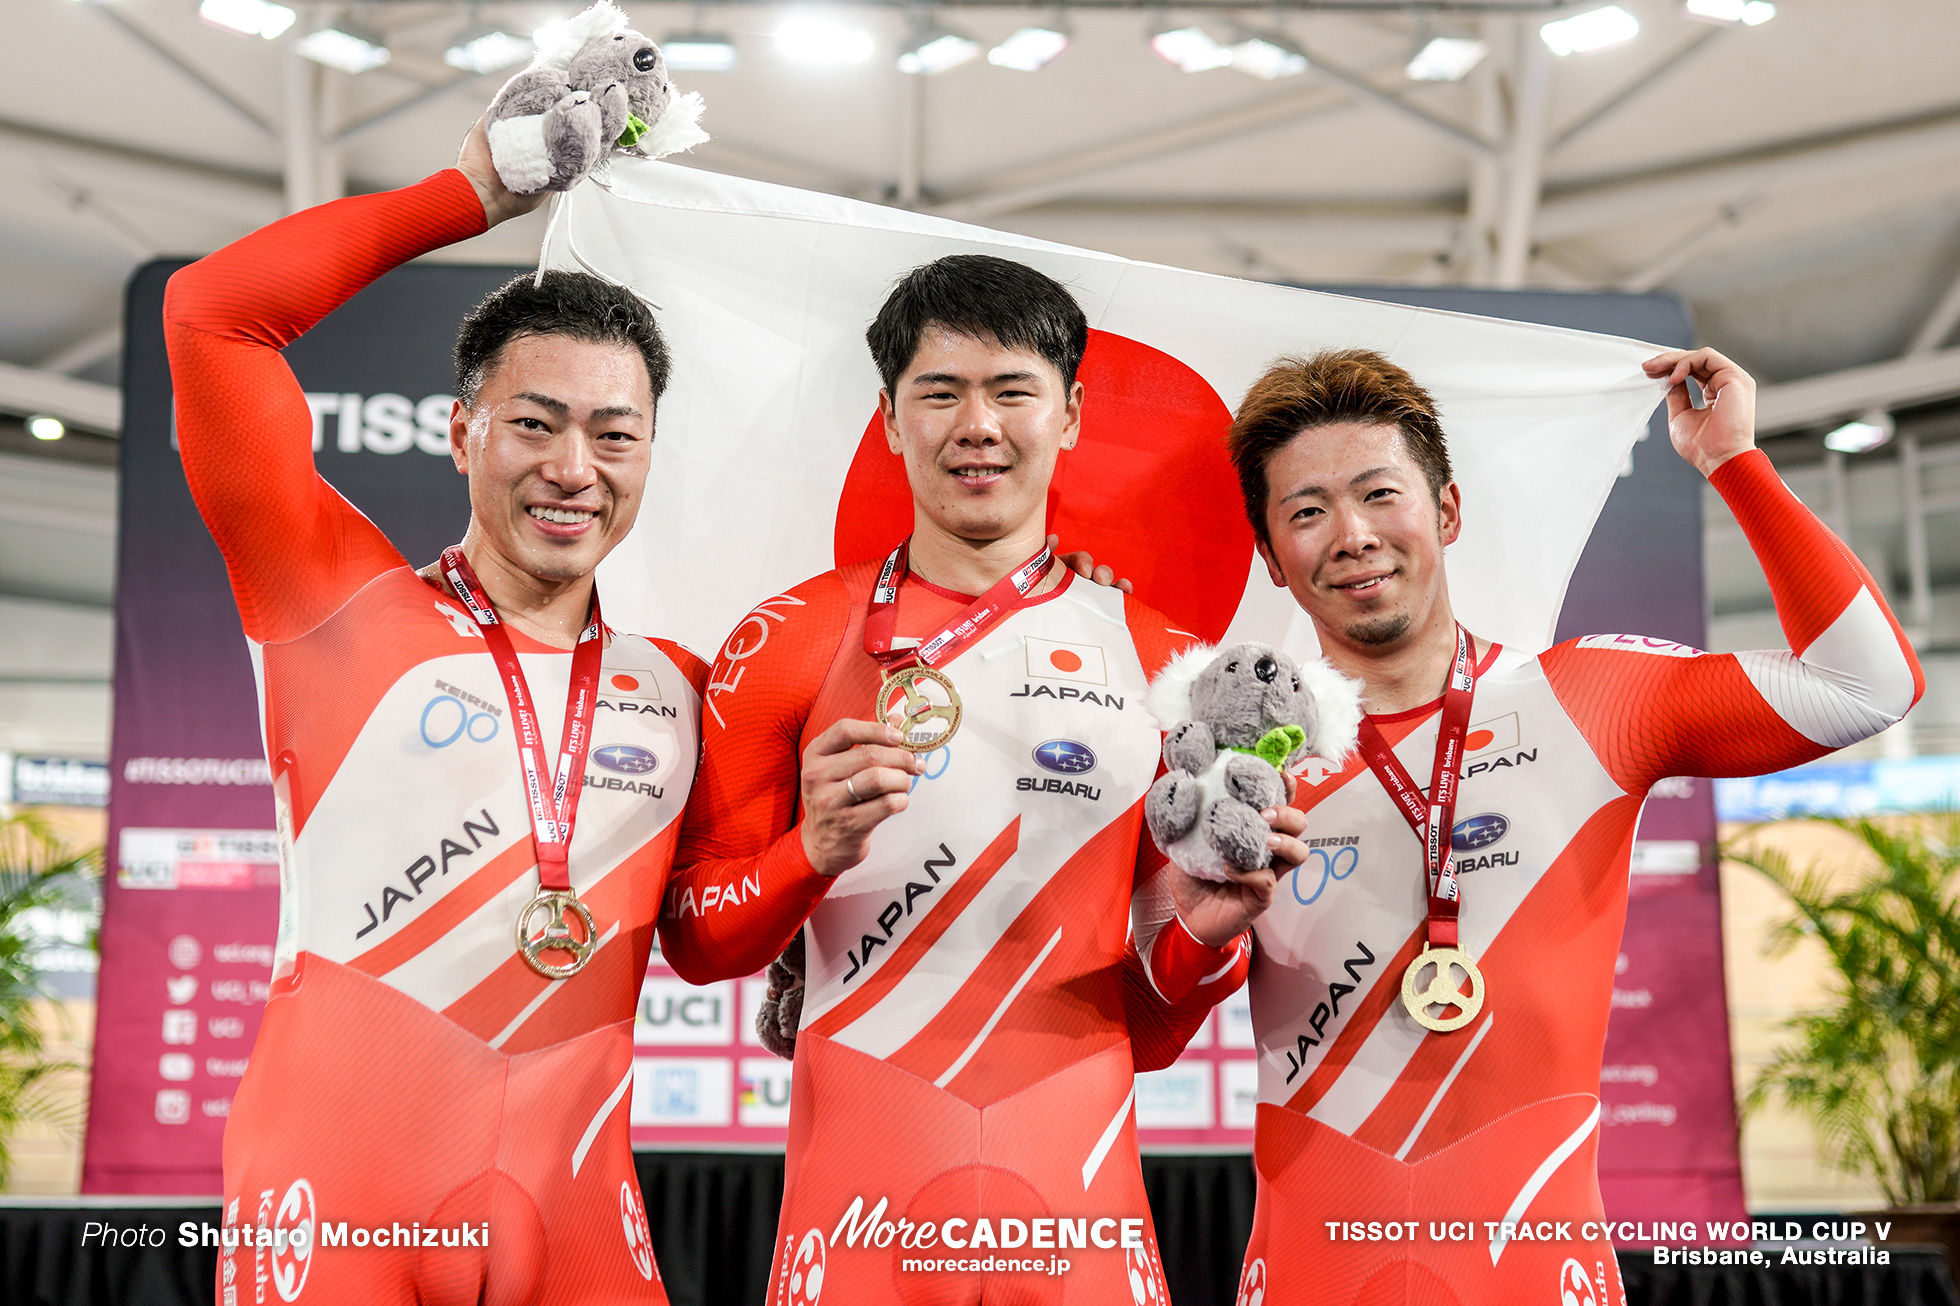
(461, 942)
(891, 780)
(1430, 1007)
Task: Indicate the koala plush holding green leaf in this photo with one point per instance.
(1235, 717)
(595, 86)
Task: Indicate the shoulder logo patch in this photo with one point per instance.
(1640, 644)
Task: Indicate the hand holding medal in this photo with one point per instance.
(858, 773)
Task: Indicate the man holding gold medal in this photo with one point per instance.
(971, 1018)
(466, 904)
(1430, 1015)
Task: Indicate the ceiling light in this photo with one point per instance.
(1268, 56)
(481, 51)
(248, 17)
(814, 39)
(1190, 49)
(933, 49)
(1868, 431)
(43, 427)
(1597, 29)
(698, 52)
(1446, 59)
(347, 47)
(1029, 49)
(1750, 13)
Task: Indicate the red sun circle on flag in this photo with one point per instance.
(625, 684)
(1063, 660)
(1479, 739)
(1148, 490)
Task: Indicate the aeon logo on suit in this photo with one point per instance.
(626, 759)
(1065, 757)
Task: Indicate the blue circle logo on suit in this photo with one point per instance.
(1474, 832)
(625, 759)
(1065, 757)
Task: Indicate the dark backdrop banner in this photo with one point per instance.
(191, 903)
(1668, 1146)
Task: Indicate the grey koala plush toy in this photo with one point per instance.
(1234, 717)
(595, 86)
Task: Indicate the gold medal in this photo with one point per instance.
(556, 936)
(929, 708)
(1444, 988)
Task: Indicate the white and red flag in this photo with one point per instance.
(769, 464)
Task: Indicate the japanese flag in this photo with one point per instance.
(769, 464)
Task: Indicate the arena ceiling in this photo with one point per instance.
(1797, 181)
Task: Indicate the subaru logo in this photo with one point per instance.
(1474, 832)
(1065, 757)
(626, 759)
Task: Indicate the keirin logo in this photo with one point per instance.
(1252, 1285)
(633, 1220)
(805, 1282)
(1574, 1288)
(292, 1257)
(1147, 1287)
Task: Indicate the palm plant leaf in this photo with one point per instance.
(1877, 1068)
(36, 871)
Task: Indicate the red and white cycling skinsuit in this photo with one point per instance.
(411, 1068)
(1364, 1115)
(966, 1052)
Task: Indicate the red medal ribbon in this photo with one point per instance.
(1008, 595)
(553, 795)
(1433, 817)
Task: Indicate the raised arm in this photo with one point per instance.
(1651, 708)
(295, 549)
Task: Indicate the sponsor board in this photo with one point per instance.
(685, 1091)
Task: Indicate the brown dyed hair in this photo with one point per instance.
(1337, 385)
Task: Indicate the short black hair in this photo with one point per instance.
(979, 295)
(577, 305)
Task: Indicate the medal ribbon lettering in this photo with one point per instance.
(1432, 819)
(906, 668)
(553, 795)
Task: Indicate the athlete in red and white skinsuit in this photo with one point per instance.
(1364, 1115)
(971, 1026)
(411, 1068)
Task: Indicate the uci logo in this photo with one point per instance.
(625, 759)
(446, 719)
(1474, 832)
(1065, 757)
(1321, 866)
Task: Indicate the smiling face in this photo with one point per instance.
(980, 428)
(556, 446)
(1357, 536)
